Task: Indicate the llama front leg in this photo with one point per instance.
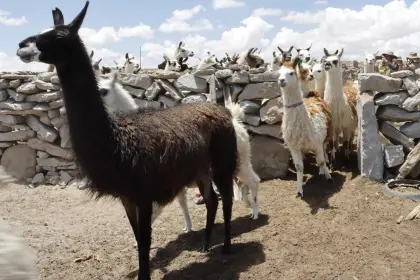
(298, 161)
(144, 239)
(182, 200)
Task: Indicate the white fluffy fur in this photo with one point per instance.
(369, 65)
(319, 75)
(305, 55)
(117, 98)
(17, 261)
(343, 119)
(171, 64)
(301, 132)
(182, 52)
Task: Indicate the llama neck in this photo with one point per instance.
(334, 83)
(320, 84)
(292, 95)
(123, 100)
(294, 108)
(368, 68)
(306, 87)
(89, 121)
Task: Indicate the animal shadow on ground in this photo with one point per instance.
(243, 255)
(347, 165)
(317, 190)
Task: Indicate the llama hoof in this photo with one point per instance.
(299, 194)
(204, 249)
(187, 230)
(254, 217)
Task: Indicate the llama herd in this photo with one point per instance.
(148, 157)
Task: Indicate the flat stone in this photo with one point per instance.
(46, 76)
(55, 80)
(272, 111)
(401, 74)
(270, 76)
(6, 144)
(171, 90)
(238, 77)
(53, 113)
(64, 177)
(146, 104)
(3, 95)
(235, 91)
(191, 83)
(65, 136)
(46, 85)
(19, 97)
(370, 158)
(137, 92)
(4, 84)
(411, 161)
(411, 86)
(270, 159)
(238, 67)
(411, 103)
(53, 162)
(395, 136)
(8, 119)
(250, 107)
(204, 72)
(393, 155)
(165, 75)
(396, 98)
(44, 132)
(19, 161)
(11, 105)
(20, 127)
(411, 129)
(38, 179)
(143, 81)
(257, 70)
(266, 129)
(395, 114)
(153, 91)
(378, 82)
(213, 93)
(52, 178)
(28, 88)
(45, 119)
(196, 98)
(267, 90)
(168, 101)
(42, 154)
(56, 104)
(18, 77)
(4, 128)
(21, 135)
(252, 120)
(44, 96)
(223, 74)
(15, 83)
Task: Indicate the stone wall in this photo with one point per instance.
(34, 134)
(389, 125)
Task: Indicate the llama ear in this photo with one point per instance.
(341, 52)
(290, 49)
(78, 20)
(126, 56)
(259, 52)
(309, 47)
(376, 52)
(99, 61)
(274, 54)
(326, 52)
(250, 51)
(57, 17)
(280, 50)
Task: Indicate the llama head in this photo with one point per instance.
(333, 61)
(287, 74)
(370, 58)
(304, 54)
(286, 56)
(304, 72)
(181, 51)
(318, 70)
(128, 64)
(108, 87)
(172, 64)
(254, 59)
(55, 45)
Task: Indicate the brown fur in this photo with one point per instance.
(315, 104)
(351, 92)
(51, 68)
(303, 73)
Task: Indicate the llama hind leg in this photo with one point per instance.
(298, 161)
(182, 200)
(251, 181)
(320, 160)
(144, 239)
(130, 210)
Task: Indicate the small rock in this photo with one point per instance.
(52, 178)
(6, 144)
(59, 122)
(15, 83)
(46, 76)
(4, 84)
(42, 154)
(3, 95)
(51, 149)
(17, 106)
(4, 128)
(171, 90)
(46, 85)
(252, 120)
(38, 179)
(29, 88)
(393, 155)
(395, 136)
(153, 91)
(19, 97)
(45, 119)
(18, 77)
(196, 98)
(272, 111)
(410, 162)
(65, 136)
(53, 113)
(250, 107)
(44, 132)
(65, 177)
(235, 91)
(238, 67)
(53, 162)
(238, 77)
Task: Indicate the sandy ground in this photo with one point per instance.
(341, 230)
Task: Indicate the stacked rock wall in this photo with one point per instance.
(34, 133)
(389, 125)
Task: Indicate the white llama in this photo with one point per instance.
(251, 58)
(305, 55)
(17, 260)
(118, 99)
(306, 122)
(370, 59)
(128, 64)
(171, 64)
(319, 74)
(342, 102)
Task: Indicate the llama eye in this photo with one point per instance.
(103, 91)
(183, 50)
(291, 74)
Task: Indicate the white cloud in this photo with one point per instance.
(107, 34)
(261, 12)
(11, 21)
(304, 17)
(223, 4)
(178, 22)
(321, 2)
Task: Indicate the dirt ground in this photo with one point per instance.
(341, 230)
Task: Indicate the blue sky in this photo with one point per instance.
(297, 22)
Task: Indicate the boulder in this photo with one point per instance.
(378, 82)
(267, 90)
(143, 81)
(272, 111)
(191, 83)
(20, 161)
